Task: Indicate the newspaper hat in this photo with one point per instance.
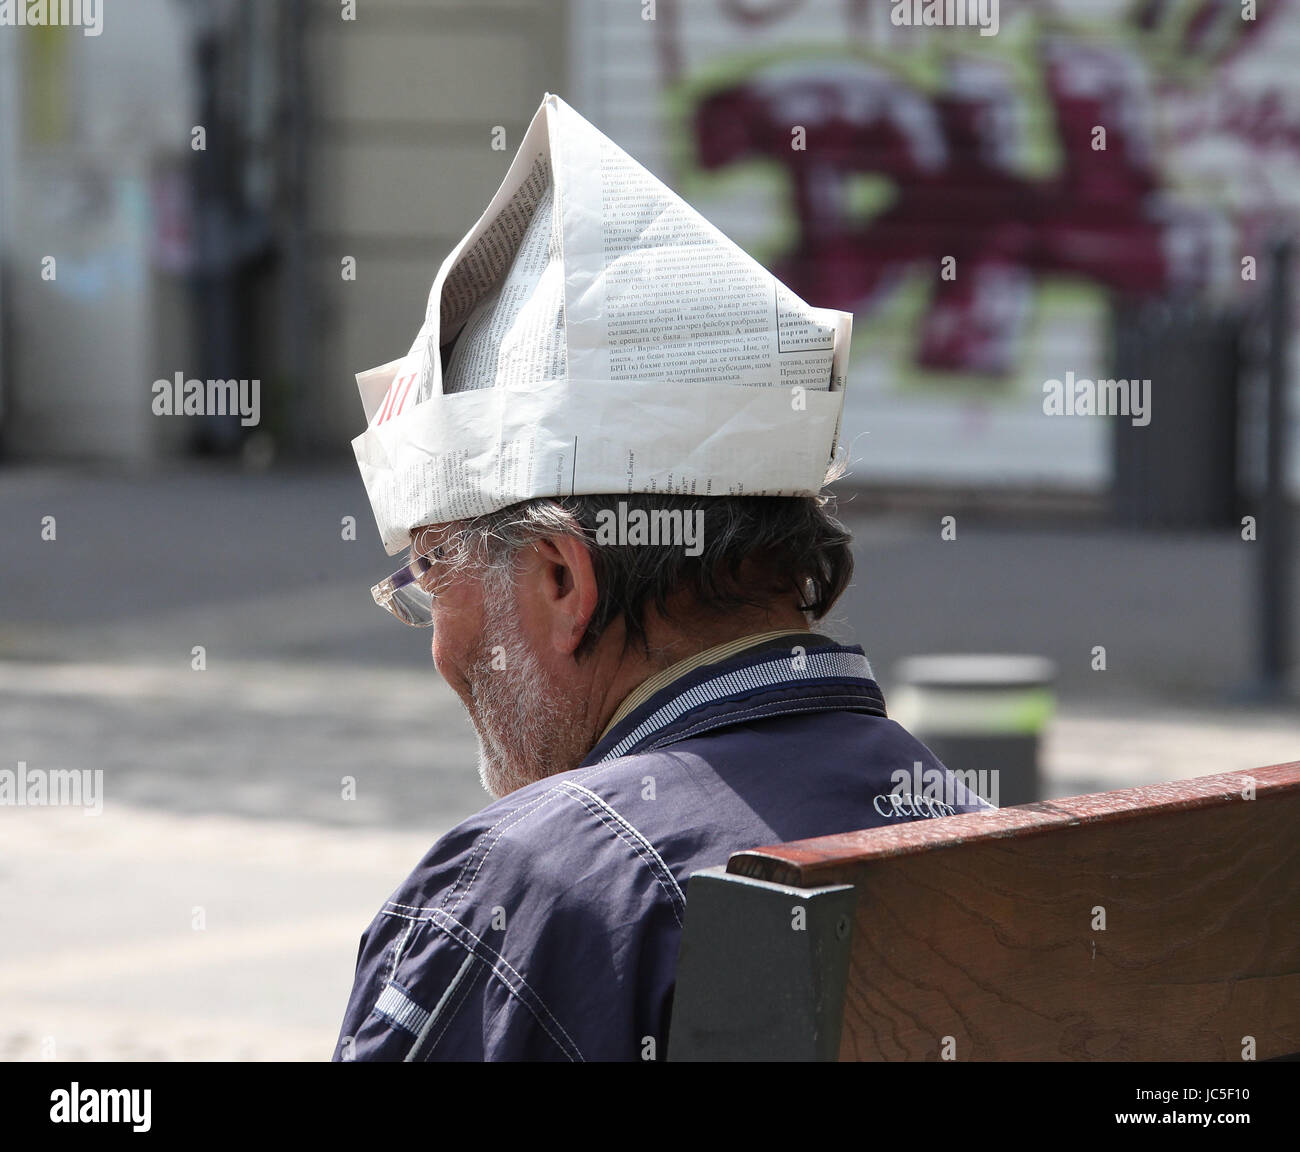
(593, 333)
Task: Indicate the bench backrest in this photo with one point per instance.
(1155, 923)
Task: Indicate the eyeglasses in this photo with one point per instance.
(407, 593)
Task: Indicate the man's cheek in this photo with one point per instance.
(462, 683)
(448, 667)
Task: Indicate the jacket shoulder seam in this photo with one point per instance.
(599, 807)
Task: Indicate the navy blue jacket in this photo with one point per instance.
(546, 927)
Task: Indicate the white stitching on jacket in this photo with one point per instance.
(431, 1018)
(438, 915)
(631, 835)
(466, 989)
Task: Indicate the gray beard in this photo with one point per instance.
(527, 730)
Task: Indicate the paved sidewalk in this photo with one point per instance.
(103, 959)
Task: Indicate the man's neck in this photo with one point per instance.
(668, 645)
(652, 685)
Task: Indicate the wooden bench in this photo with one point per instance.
(1157, 923)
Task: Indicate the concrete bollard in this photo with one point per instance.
(981, 714)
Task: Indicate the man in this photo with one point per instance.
(641, 714)
(639, 667)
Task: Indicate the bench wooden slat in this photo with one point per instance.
(981, 927)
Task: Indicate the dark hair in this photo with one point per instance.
(753, 548)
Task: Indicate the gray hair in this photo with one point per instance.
(794, 546)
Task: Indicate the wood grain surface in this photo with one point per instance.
(979, 937)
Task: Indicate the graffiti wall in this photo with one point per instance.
(984, 200)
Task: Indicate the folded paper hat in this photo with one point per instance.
(593, 333)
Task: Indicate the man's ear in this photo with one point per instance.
(561, 588)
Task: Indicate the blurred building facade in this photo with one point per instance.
(949, 188)
(985, 205)
(406, 105)
(93, 131)
(344, 148)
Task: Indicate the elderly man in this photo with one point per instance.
(639, 666)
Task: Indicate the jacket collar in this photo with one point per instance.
(760, 680)
(714, 655)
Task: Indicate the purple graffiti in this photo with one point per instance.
(955, 189)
